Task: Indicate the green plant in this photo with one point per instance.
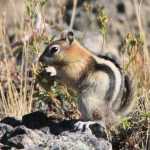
(126, 123)
(102, 19)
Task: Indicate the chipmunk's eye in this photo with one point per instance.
(54, 49)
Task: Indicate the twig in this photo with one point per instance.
(73, 13)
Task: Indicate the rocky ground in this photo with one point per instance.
(36, 132)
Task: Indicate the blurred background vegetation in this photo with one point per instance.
(103, 26)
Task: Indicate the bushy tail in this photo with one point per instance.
(127, 99)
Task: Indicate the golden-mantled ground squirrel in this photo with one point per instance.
(103, 88)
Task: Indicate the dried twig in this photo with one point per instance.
(73, 13)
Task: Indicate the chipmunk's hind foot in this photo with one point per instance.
(92, 127)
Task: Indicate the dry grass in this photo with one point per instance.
(14, 101)
(16, 93)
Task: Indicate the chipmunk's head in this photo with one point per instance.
(58, 51)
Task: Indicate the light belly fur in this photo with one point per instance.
(92, 97)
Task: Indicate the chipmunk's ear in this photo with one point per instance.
(70, 36)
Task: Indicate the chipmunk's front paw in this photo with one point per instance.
(96, 128)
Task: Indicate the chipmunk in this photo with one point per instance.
(104, 90)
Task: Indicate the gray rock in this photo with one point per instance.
(11, 121)
(22, 137)
(54, 136)
(4, 128)
(35, 120)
